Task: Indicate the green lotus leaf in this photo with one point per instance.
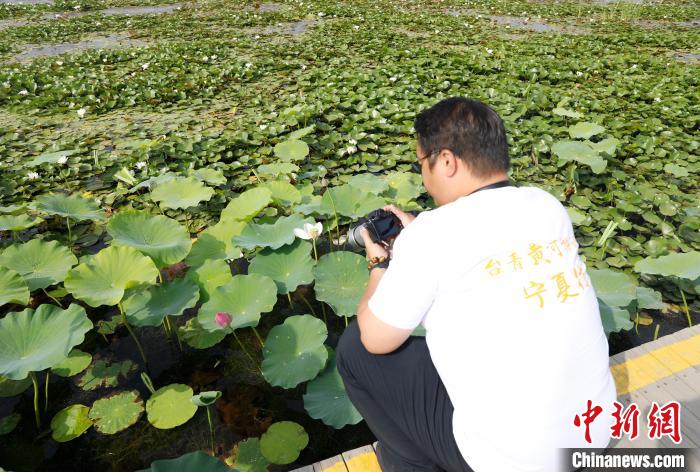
(192, 462)
(13, 288)
(10, 388)
(69, 206)
(102, 374)
(283, 193)
(289, 266)
(310, 204)
(614, 288)
(31, 341)
(181, 193)
(569, 113)
(105, 276)
(170, 406)
(244, 298)
(70, 422)
(614, 318)
(76, 362)
(13, 209)
(247, 204)
(148, 306)
(649, 299)
(208, 276)
(675, 169)
(578, 218)
(248, 458)
(283, 441)
(684, 265)
(274, 235)
(18, 222)
(206, 398)
(326, 399)
(581, 152)
(292, 150)
(213, 177)
(347, 201)
(369, 183)
(9, 423)
(606, 146)
(40, 263)
(341, 279)
(278, 168)
(216, 242)
(157, 236)
(110, 324)
(584, 130)
(116, 412)
(197, 337)
(404, 186)
(294, 351)
(51, 157)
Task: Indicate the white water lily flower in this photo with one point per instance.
(321, 13)
(32, 175)
(356, 27)
(145, 66)
(62, 160)
(489, 51)
(77, 7)
(303, 67)
(351, 149)
(657, 99)
(257, 36)
(263, 127)
(205, 58)
(59, 63)
(352, 141)
(140, 165)
(248, 64)
(579, 73)
(23, 92)
(382, 121)
(213, 56)
(393, 79)
(309, 231)
(81, 112)
(97, 23)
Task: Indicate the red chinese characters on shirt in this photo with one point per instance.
(662, 421)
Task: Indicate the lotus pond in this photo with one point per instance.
(165, 287)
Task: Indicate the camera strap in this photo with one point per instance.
(502, 183)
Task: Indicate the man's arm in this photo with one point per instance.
(377, 336)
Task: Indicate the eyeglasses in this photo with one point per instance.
(417, 166)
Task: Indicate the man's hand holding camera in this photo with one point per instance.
(382, 248)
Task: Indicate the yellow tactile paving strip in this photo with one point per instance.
(661, 362)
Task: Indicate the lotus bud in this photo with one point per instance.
(223, 319)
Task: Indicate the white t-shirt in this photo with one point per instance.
(512, 325)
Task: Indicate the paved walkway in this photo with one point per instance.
(659, 371)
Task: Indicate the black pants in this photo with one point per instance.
(404, 402)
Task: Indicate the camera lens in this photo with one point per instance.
(355, 240)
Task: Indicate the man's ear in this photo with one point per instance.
(450, 163)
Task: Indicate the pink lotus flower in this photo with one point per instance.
(223, 319)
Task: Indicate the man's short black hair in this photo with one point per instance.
(470, 129)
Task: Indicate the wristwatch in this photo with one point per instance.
(381, 262)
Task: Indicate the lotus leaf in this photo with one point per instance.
(105, 276)
(294, 351)
(216, 242)
(289, 266)
(341, 279)
(614, 318)
(51, 157)
(10, 388)
(278, 168)
(157, 236)
(675, 169)
(170, 406)
(326, 399)
(369, 183)
(244, 298)
(9, 423)
(584, 130)
(206, 398)
(274, 235)
(148, 306)
(404, 185)
(192, 462)
(17, 222)
(616, 289)
(103, 374)
(116, 412)
(684, 265)
(197, 337)
(283, 193)
(210, 275)
(569, 113)
(581, 152)
(40, 263)
(292, 150)
(283, 441)
(76, 362)
(181, 193)
(248, 457)
(109, 325)
(347, 201)
(70, 422)
(31, 341)
(69, 206)
(649, 299)
(247, 204)
(213, 177)
(577, 217)
(12, 209)
(13, 288)
(606, 146)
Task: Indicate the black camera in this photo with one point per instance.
(382, 226)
